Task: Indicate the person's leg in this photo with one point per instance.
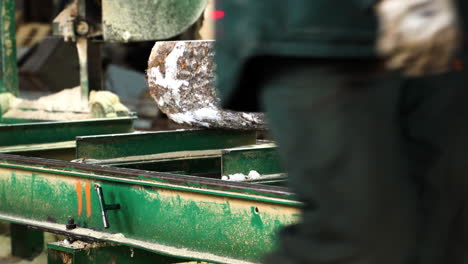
(435, 111)
(338, 130)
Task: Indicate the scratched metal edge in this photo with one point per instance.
(60, 123)
(50, 132)
(53, 246)
(156, 248)
(271, 194)
(166, 132)
(194, 189)
(118, 146)
(39, 147)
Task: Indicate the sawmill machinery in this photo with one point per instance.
(89, 23)
(122, 196)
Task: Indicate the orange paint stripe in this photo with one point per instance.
(79, 194)
(88, 198)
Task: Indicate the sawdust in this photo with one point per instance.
(66, 258)
(44, 115)
(106, 104)
(239, 177)
(84, 245)
(67, 105)
(67, 100)
(64, 106)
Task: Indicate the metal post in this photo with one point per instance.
(8, 65)
(26, 243)
(89, 53)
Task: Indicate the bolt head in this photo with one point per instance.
(70, 224)
(82, 28)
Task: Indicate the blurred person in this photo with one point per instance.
(368, 101)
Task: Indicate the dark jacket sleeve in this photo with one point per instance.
(366, 3)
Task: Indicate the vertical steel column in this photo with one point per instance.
(25, 243)
(89, 54)
(8, 65)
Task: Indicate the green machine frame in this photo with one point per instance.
(8, 65)
(134, 197)
(127, 203)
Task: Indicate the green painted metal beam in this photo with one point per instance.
(11, 121)
(136, 144)
(263, 159)
(205, 167)
(202, 166)
(174, 215)
(89, 253)
(47, 132)
(8, 64)
(205, 163)
(60, 151)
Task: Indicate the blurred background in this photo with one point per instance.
(48, 64)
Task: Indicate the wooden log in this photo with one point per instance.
(181, 81)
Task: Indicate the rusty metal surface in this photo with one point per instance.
(181, 81)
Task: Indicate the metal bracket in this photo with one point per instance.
(104, 207)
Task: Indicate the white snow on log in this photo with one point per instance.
(238, 177)
(182, 82)
(199, 116)
(169, 80)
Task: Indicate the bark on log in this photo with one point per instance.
(181, 81)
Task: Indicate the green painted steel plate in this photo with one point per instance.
(47, 132)
(11, 121)
(263, 158)
(136, 144)
(57, 150)
(202, 167)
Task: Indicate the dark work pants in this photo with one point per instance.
(379, 161)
